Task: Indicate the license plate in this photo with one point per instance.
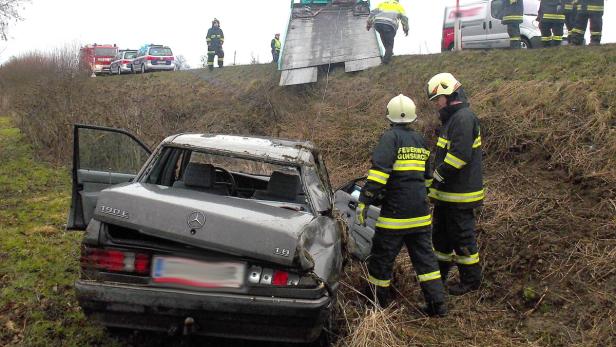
(194, 273)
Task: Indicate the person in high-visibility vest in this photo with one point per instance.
(588, 10)
(513, 16)
(551, 22)
(215, 39)
(385, 18)
(276, 46)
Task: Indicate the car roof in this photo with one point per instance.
(298, 152)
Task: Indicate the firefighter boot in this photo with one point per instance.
(379, 296)
(444, 267)
(470, 279)
(434, 309)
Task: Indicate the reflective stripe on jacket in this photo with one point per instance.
(215, 37)
(389, 12)
(513, 12)
(397, 181)
(592, 6)
(458, 179)
(552, 11)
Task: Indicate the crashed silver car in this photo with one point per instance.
(208, 234)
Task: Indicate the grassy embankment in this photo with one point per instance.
(546, 232)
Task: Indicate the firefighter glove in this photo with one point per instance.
(362, 213)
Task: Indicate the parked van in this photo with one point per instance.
(482, 27)
(153, 58)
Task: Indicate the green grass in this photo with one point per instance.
(39, 260)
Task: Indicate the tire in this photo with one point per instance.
(119, 70)
(525, 43)
(142, 68)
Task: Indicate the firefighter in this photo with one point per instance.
(397, 182)
(551, 22)
(457, 187)
(215, 39)
(570, 14)
(588, 10)
(276, 46)
(385, 19)
(513, 15)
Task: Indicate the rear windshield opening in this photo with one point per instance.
(160, 52)
(130, 55)
(230, 176)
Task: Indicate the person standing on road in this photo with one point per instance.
(276, 47)
(397, 182)
(551, 22)
(513, 15)
(385, 19)
(588, 10)
(215, 39)
(570, 14)
(457, 187)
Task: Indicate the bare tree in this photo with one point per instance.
(181, 63)
(9, 11)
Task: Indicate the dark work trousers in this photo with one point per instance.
(514, 35)
(570, 21)
(454, 240)
(385, 249)
(387, 33)
(551, 33)
(213, 51)
(596, 26)
(275, 55)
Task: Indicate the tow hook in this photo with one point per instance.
(189, 326)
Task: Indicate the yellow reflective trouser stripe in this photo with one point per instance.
(513, 18)
(378, 176)
(477, 141)
(378, 282)
(545, 38)
(594, 8)
(429, 182)
(456, 197)
(553, 16)
(409, 165)
(429, 276)
(467, 260)
(211, 52)
(568, 7)
(513, 38)
(454, 161)
(577, 31)
(443, 143)
(557, 38)
(403, 223)
(444, 256)
(595, 33)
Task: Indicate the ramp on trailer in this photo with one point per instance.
(327, 32)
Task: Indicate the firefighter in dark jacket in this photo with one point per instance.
(513, 15)
(551, 22)
(457, 187)
(588, 10)
(276, 47)
(215, 39)
(570, 14)
(397, 182)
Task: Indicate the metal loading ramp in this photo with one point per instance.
(327, 34)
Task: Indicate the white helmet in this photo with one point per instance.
(442, 84)
(401, 109)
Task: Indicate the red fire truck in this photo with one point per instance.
(97, 58)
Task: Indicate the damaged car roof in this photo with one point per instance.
(264, 147)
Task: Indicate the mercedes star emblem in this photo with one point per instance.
(196, 220)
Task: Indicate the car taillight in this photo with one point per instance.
(270, 277)
(114, 260)
(125, 62)
(149, 57)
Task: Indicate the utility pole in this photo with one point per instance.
(457, 32)
(234, 56)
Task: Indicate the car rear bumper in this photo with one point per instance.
(214, 314)
(152, 67)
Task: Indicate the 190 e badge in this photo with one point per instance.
(114, 211)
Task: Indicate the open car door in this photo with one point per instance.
(346, 201)
(102, 157)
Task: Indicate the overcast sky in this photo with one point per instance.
(248, 25)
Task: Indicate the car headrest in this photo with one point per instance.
(199, 175)
(284, 185)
